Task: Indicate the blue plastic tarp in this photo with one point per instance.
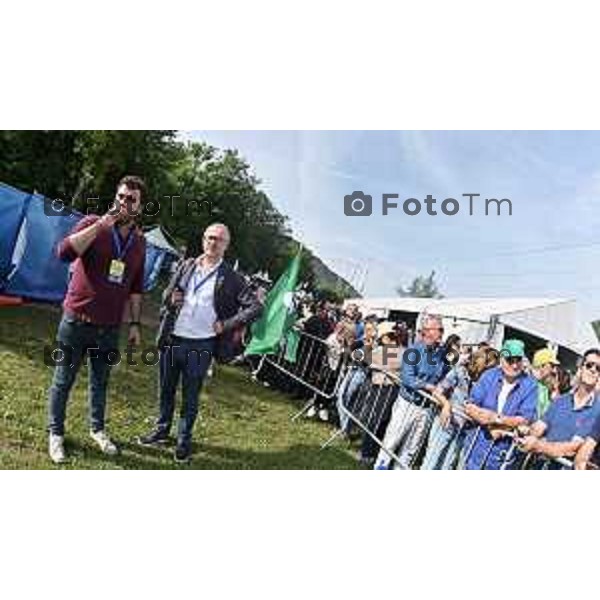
(13, 204)
(29, 266)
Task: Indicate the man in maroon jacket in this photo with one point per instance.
(108, 272)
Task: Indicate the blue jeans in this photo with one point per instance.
(405, 435)
(354, 378)
(444, 445)
(189, 360)
(75, 338)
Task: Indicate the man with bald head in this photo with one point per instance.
(204, 305)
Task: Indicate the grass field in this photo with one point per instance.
(241, 426)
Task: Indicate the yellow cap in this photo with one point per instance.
(543, 357)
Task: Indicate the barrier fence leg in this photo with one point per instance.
(256, 371)
(303, 409)
(508, 456)
(336, 434)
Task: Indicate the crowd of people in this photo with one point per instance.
(445, 404)
(417, 399)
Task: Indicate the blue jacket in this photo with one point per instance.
(521, 402)
(421, 366)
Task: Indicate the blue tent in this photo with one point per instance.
(28, 236)
(12, 208)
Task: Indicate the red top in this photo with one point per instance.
(90, 292)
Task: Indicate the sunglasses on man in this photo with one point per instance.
(513, 360)
(126, 197)
(592, 366)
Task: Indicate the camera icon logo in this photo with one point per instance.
(358, 204)
(57, 208)
(60, 355)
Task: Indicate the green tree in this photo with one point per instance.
(214, 185)
(106, 155)
(596, 327)
(42, 161)
(75, 165)
(421, 287)
(193, 183)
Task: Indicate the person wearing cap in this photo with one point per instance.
(544, 368)
(385, 364)
(571, 420)
(504, 398)
(386, 355)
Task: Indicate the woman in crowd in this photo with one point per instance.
(386, 359)
(338, 344)
(561, 383)
(355, 372)
(447, 432)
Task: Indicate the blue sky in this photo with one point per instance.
(548, 247)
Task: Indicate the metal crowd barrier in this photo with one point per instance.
(367, 398)
(364, 409)
(310, 368)
(505, 450)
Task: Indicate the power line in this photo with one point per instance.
(539, 250)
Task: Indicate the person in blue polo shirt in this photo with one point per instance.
(503, 399)
(424, 365)
(571, 419)
(588, 455)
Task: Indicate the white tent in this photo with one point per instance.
(157, 238)
(554, 320)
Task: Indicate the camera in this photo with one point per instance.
(57, 208)
(60, 355)
(358, 204)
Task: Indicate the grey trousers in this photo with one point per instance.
(405, 435)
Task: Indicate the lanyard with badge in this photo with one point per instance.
(116, 271)
(202, 281)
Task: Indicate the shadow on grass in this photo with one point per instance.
(244, 426)
(206, 456)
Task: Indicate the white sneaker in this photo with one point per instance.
(324, 414)
(311, 412)
(56, 449)
(105, 443)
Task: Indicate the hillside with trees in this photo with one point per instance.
(190, 184)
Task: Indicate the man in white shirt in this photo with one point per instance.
(204, 305)
(503, 399)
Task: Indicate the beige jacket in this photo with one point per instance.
(390, 362)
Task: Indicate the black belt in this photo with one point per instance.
(85, 319)
(179, 338)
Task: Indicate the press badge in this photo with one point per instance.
(116, 271)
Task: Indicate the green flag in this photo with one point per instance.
(278, 314)
(292, 342)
